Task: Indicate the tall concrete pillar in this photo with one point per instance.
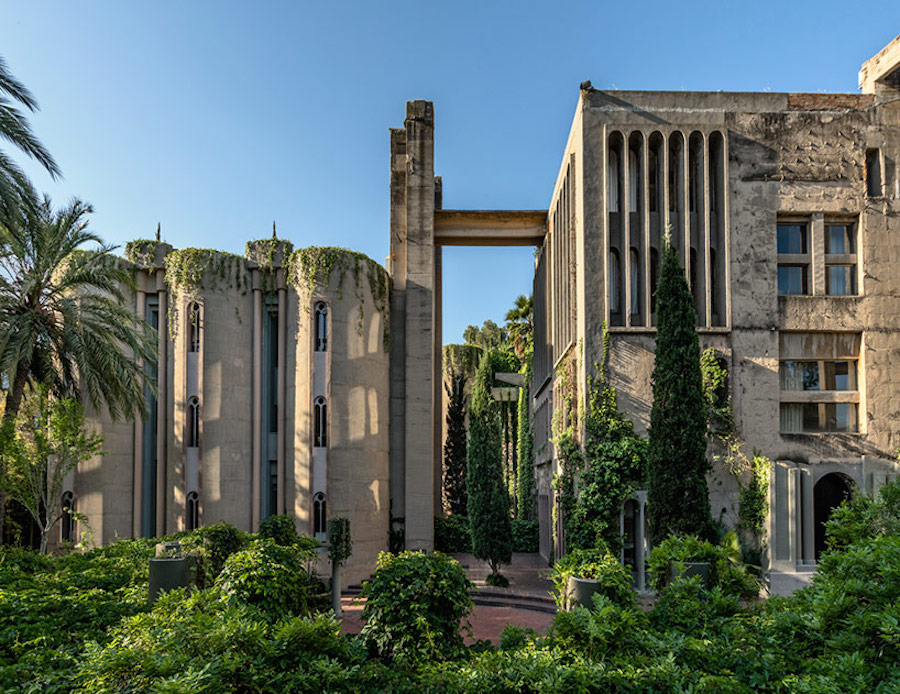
(414, 326)
(162, 403)
(256, 457)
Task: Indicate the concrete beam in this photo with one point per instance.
(881, 70)
(490, 227)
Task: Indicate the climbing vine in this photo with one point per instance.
(751, 474)
(141, 252)
(313, 267)
(568, 452)
(188, 268)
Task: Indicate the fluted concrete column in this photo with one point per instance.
(256, 458)
(162, 402)
(280, 395)
(138, 481)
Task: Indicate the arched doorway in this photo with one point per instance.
(828, 494)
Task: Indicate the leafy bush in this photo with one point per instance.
(725, 568)
(221, 540)
(864, 517)
(452, 534)
(281, 529)
(597, 565)
(269, 577)
(414, 604)
(525, 535)
(689, 607)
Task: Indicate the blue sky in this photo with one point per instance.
(216, 118)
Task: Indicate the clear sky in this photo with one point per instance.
(217, 117)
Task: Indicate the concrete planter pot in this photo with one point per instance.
(690, 569)
(168, 574)
(580, 591)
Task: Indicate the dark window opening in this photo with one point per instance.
(319, 514)
(321, 327)
(67, 524)
(193, 511)
(320, 424)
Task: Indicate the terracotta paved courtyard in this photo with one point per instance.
(526, 579)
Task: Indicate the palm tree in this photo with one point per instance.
(520, 324)
(64, 321)
(16, 191)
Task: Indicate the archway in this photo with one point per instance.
(828, 494)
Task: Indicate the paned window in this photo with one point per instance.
(194, 327)
(818, 376)
(319, 515)
(193, 428)
(193, 511)
(793, 259)
(840, 259)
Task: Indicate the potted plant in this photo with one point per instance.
(583, 573)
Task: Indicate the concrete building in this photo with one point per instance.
(279, 393)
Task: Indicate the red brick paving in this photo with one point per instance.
(487, 622)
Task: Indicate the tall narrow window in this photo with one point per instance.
(193, 511)
(635, 283)
(193, 424)
(615, 283)
(612, 180)
(320, 424)
(321, 327)
(654, 277)
(634, 178)
(67, 524)
(194, 327)
(319, 515)
(713, 281)
(874, 188)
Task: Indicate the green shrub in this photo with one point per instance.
(864, 517)
(514, 637)
(525, 535)
(221, 540)
(414, 604)
(687, 606)
(281, 529)
(268, 576)
(452, 534)
(600, 632)
(726, 569)
(597, 565)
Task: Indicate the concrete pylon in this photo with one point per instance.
(414, 264)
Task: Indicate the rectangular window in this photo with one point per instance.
(819, 383)
(793, 258)
(840, 259)
(874, 188)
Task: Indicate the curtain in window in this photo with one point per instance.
(612, 181)
(633, 180)
(791, 418)
(791, 376)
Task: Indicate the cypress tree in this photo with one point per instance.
(488, 499)
(678, 497)
(525, 459)
(455, 447)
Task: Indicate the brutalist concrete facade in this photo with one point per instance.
(272, 397)
(783, 208)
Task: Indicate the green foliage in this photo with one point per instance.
(525, 534)
(141, 252)
(452, 534)
(597, 564)
(525, 506)
(503, 361)
(726, 569)
(263, 252)
(269, 577)
(753, 501)
(455, 445)
(520, 325)
(678, 497)
(50, 440)
(489, 336)
(514, 637)
(614, 465)
(720, 416)
(221, 540)
(281, 529)
(414, 604)
(488, 503)
(340, 544)
(461, 360)
(864, 516)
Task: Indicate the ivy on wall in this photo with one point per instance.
(188, 268)
(313, 267)
(141, 252)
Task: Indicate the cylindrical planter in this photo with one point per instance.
(167, 574)
(580, 591)
(691, 568)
